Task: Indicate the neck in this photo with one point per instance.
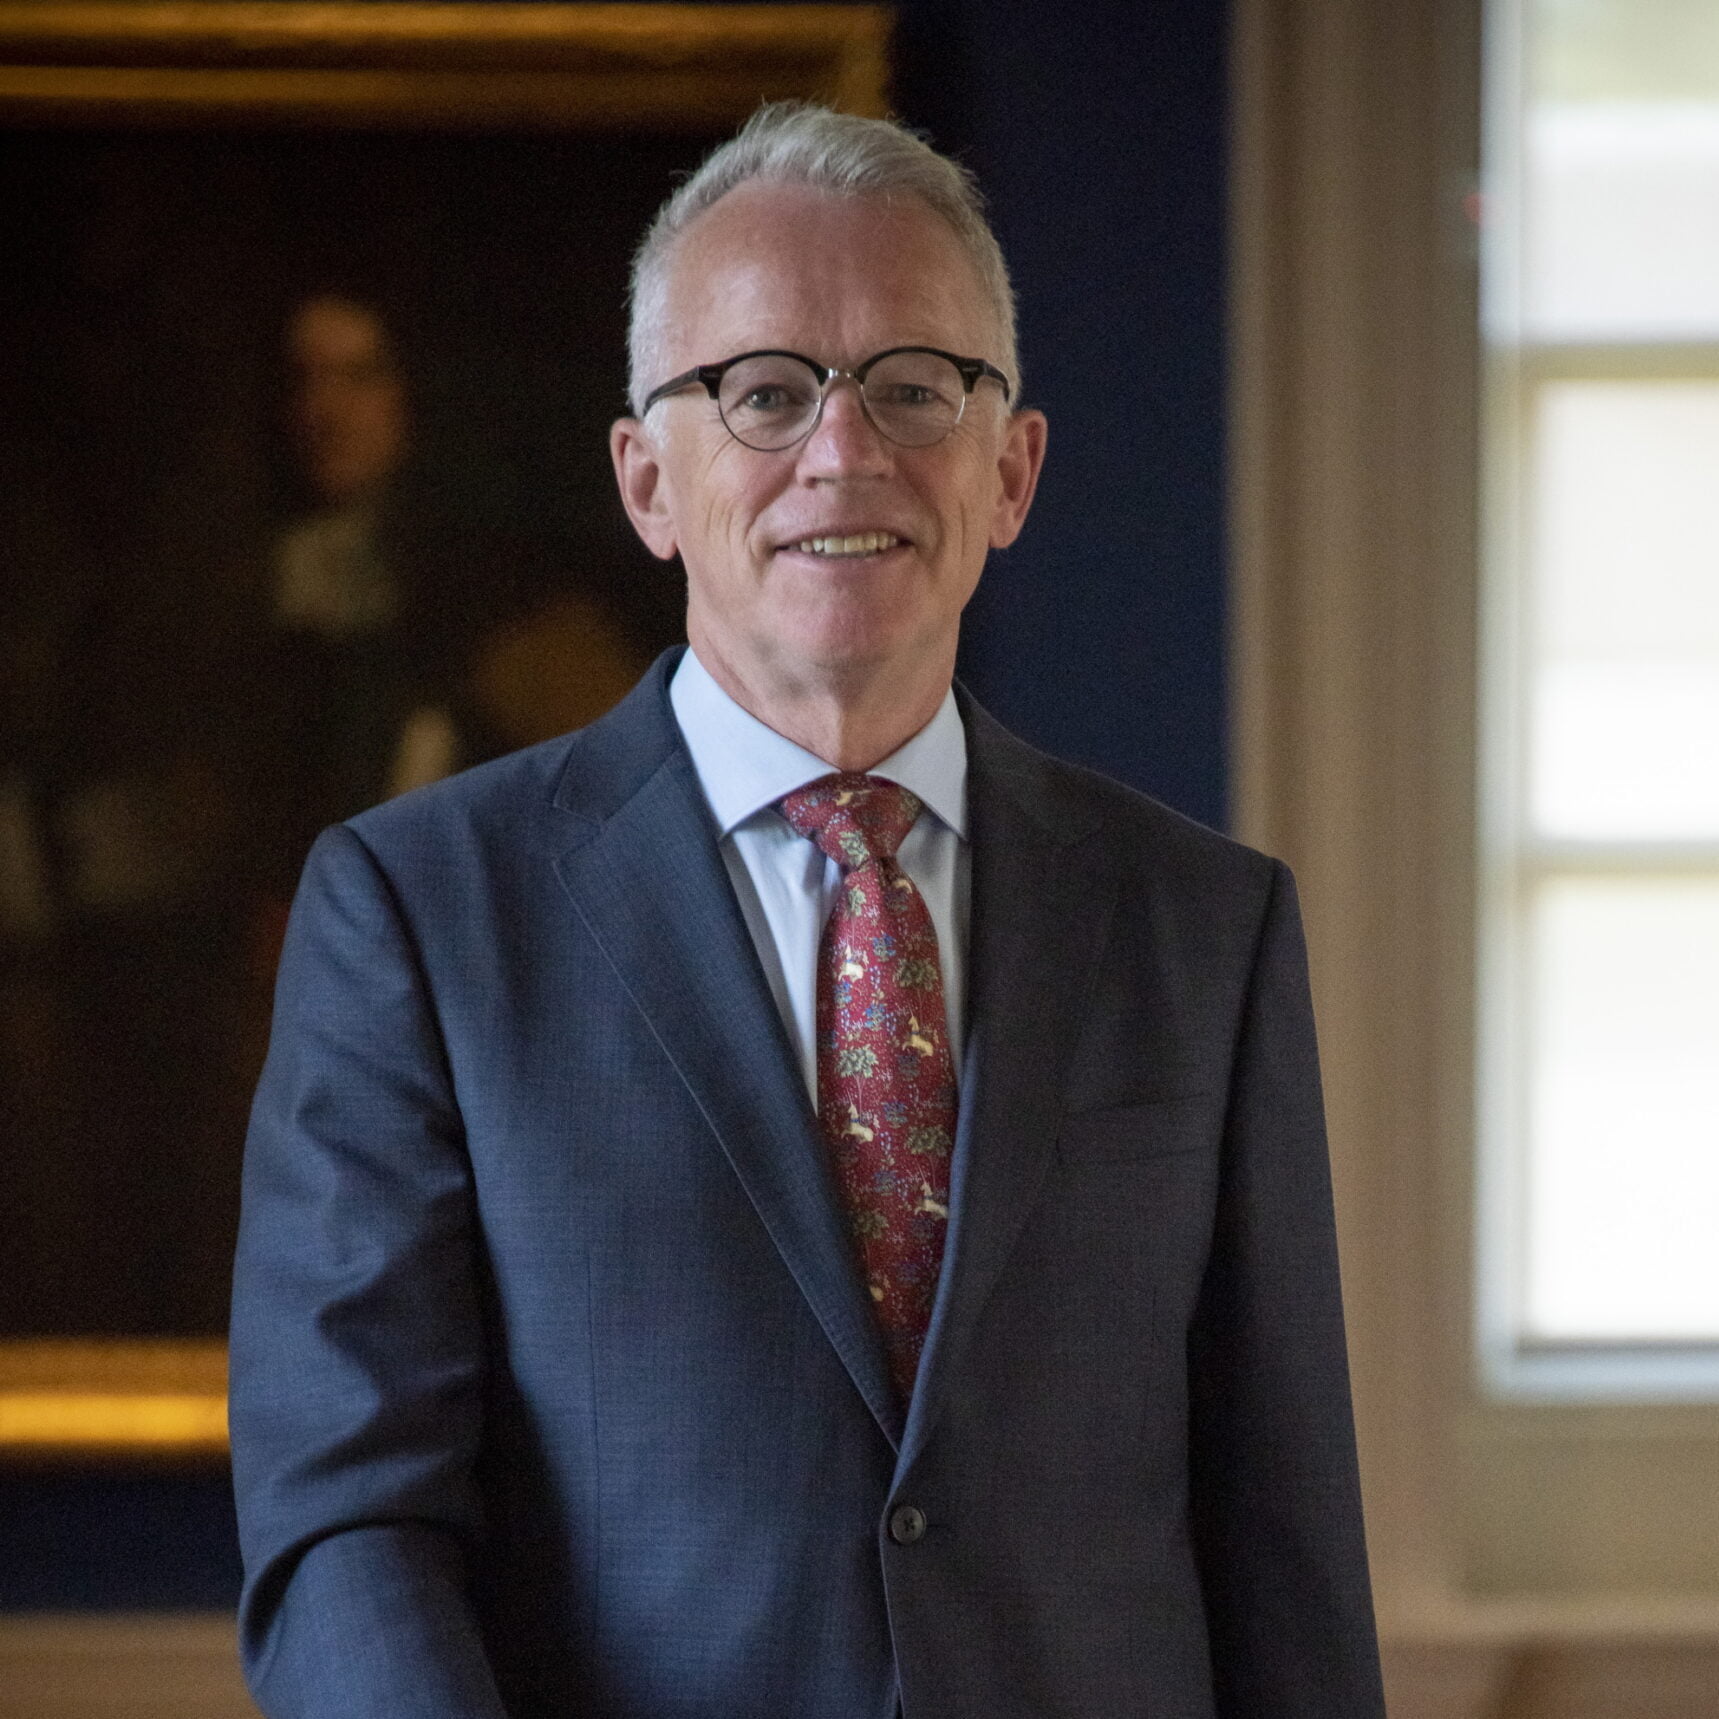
(852, 720)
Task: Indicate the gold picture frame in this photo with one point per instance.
(96, 1397)
(435, 67)
(274, 62)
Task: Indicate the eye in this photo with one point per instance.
(766, 397)
(768, 387)
(914, 384)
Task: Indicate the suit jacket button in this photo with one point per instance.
(906, 1524)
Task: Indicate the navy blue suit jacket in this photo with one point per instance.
(555, 1389)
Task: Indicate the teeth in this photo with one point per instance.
(864, 543)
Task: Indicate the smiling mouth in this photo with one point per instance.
(860, 543)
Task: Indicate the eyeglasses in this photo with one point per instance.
(912, 395)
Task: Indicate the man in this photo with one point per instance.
(788, 1204)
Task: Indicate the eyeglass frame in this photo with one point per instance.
(709, 376)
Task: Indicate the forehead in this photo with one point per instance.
(835, 277)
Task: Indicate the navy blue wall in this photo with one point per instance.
(1097, 128)
(147, 1540)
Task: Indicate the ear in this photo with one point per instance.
(1018, 467)
(644, 493)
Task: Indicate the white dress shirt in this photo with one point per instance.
(785, 885)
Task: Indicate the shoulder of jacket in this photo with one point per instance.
(1137, 828)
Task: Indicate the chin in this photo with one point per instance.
(865, 626)
(856, 659)
(853, 643)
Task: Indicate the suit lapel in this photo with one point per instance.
(649, 882)
(1042, 898)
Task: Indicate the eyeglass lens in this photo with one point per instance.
(771, 401)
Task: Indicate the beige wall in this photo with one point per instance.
(1528, 1559)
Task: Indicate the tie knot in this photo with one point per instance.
(853, 819)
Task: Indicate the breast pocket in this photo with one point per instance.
(1133, 1133)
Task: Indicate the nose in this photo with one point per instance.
(844, 442)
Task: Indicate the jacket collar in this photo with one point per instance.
(646, 875)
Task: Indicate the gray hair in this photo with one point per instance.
(797, 143)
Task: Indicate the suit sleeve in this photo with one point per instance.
(356, 1340)
(1275, 1497)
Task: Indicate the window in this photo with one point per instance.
(1599, 1263)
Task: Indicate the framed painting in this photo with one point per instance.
(314, 323)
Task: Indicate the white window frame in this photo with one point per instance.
(1513, 860)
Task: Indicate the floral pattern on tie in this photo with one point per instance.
(886, 1080)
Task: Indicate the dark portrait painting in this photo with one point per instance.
(304, 501)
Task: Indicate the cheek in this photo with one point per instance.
(966, 491)
(969, 527)
(717, 502)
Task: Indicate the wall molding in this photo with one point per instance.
(121, 1667)
(186, 1667)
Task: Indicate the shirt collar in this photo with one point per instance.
(745, 766)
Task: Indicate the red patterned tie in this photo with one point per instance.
(886, 1083)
